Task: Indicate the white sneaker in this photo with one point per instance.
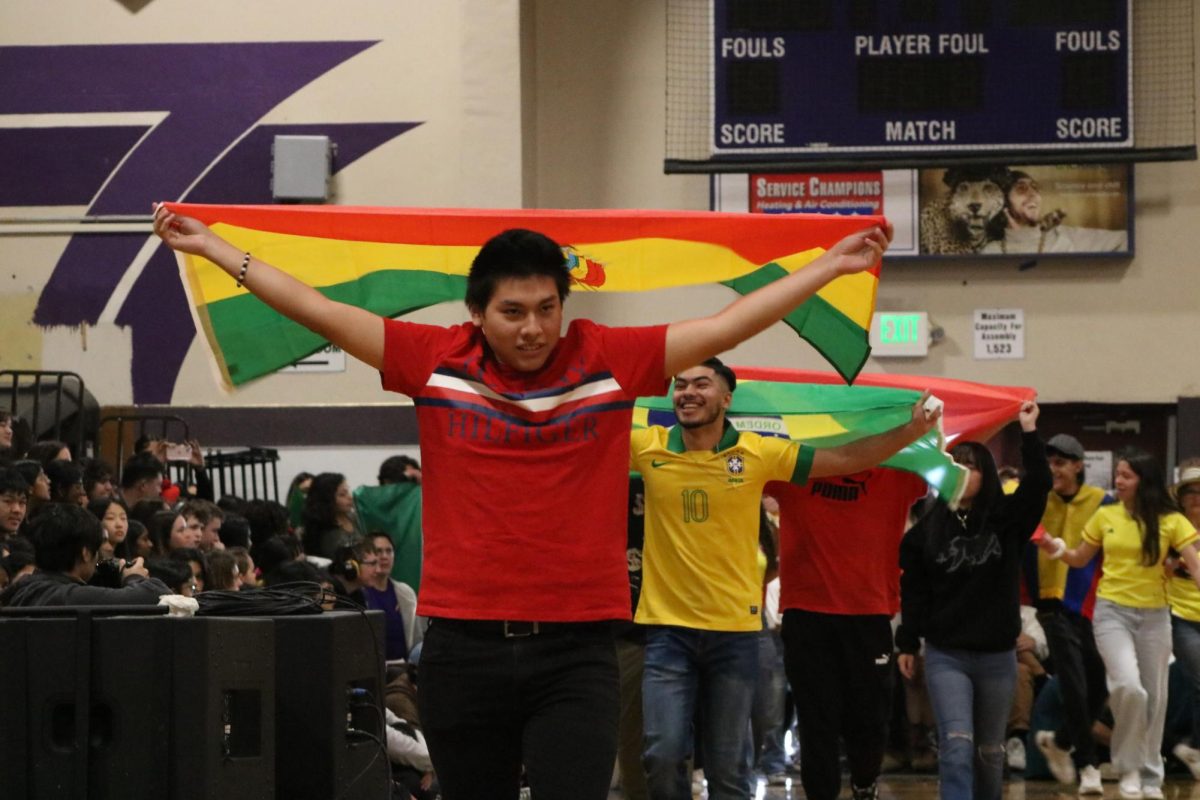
(1014, 752)
(1152, 793)
(1089, 781)
(1190, 757)
(1057, 759)
(1130, 786)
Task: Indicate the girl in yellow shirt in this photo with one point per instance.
(1131, 621)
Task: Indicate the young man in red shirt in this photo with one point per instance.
(524, 434)
(839, 579)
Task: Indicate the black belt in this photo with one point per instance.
(511, 629)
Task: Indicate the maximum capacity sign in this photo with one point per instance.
(812, 77)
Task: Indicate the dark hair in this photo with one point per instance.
(266, 518)
(203, 510)
(144, 510)
(231, 504)
(347, 562)
(175, 574)
(160, 526)
(221, 564)
(22, 438)
(1150, 501)
(394, 469)
(47, 451)
(95, 471)
(29, 470)
(127, 548)
(63, 475)
(515, 253)
(99, 507)
(292, 542)
(974, 454)
(242, 556)
(718, 367)
(300, 478)
(15, 544)
(11, 480)
(60, 533)
(189, 554)
(270, 553)
(369, 539)
(234, 531)
(15, 561)
(320, 510)
(139, 468)
(292, 572)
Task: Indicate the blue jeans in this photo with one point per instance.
(766, 716)
(972, 694)
(1185, 641)
(690, 670)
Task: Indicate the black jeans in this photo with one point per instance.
(1081, 679)
(491, 704)
(840, 670)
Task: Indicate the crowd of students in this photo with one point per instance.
(83, 538)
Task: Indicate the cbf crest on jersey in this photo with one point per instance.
(735, 465)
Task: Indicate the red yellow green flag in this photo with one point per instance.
(395, 260)
(815, 408)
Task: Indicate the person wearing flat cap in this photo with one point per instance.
(1184, 599)
(1065, 598)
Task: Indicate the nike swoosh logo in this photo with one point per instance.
(657, 464)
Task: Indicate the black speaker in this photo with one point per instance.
(97, 692)
(129, 726)
(14, 711)
(223, 708)
(329, 707)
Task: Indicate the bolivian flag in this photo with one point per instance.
(814, 407)
(393, 260)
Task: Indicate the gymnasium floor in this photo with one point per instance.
(924, 787)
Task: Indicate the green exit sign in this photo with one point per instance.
(899, 333)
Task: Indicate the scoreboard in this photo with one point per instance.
(835, 78)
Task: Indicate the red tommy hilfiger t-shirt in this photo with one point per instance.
(524, 475)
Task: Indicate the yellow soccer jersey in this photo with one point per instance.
(1125, 579)
(700, 558)
(1064, 520)
(1184, 598)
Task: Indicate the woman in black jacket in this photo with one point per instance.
(959, 591)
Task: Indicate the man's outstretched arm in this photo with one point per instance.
(355, 330)
(871, 451)
(691, 341)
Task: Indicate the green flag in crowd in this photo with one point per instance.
(395, 509)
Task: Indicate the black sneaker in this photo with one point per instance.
(867, 793)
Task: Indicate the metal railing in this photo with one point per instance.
(53, 404)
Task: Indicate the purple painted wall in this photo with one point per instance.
(213, 95)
